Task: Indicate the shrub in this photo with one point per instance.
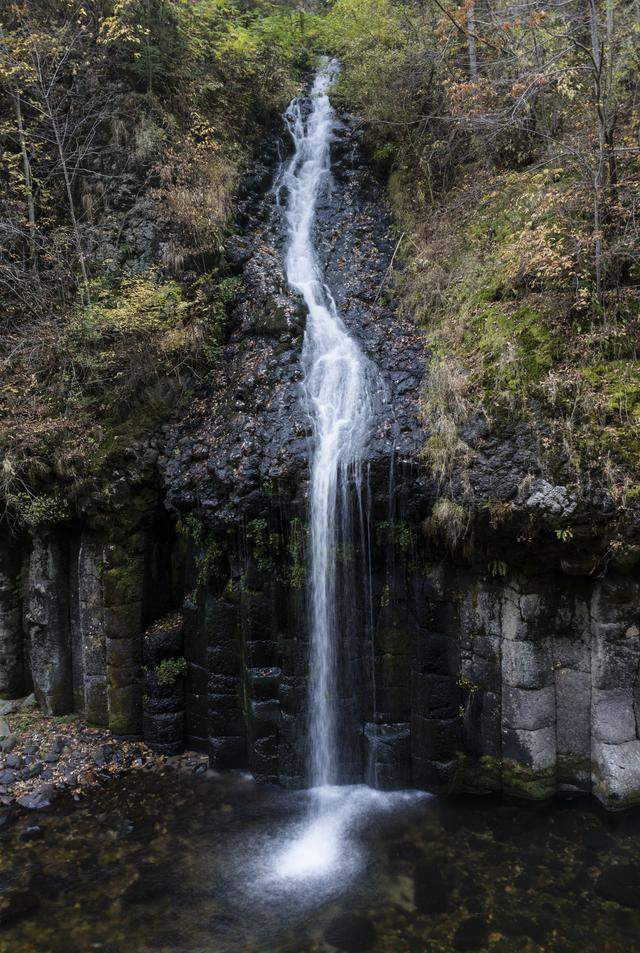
(170, 670)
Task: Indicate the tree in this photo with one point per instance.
(40, 72)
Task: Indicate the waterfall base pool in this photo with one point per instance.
(175, 863)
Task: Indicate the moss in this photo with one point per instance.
(569, 768)
(617, 803)
(36, 511)
(120, 722)
(516, 348)
(478, 775)
(264, 546)
(123, 583)
(522, 782)
(495, 272)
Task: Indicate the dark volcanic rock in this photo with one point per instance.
(38, 799)
(247, 432)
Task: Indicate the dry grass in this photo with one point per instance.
(449, 523)
(446, 406)
(196, 201)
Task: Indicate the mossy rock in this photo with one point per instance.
(520, 781)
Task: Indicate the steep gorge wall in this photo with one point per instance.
(510, 666)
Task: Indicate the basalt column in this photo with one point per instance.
(13, 680)
(46, 620)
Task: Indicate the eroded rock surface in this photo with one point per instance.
(245, 438)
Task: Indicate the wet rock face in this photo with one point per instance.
(548, 689)
(164, 668)
(246, 437)
(12, 661)
(47, 625)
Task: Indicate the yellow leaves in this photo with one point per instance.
(141, 306)
(114, 30)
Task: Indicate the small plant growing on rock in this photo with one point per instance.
(498, 568)
(208, 556)
(396, 531)
(297, 567)
(564, 535)
(170, 670)
(263, 544)
(36, 511)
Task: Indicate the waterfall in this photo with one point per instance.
(338, 395)
(339, 389)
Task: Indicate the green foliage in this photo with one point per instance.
(565, 535)
(170, 670)
(498, 568)
(525, 318)
(397, 532)
(264, 546)
(211, 307)
(182, 89)
(297, 570)
(208, 551)
(34, 512)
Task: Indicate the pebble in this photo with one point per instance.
(38, 799)
(32, 833)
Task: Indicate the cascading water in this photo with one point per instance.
(340, 386)
(337, 387)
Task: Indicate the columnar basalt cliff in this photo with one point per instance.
(508, 662)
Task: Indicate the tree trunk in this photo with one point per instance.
(72, 210)
(599, 174)
(28, 181)
(471, 31)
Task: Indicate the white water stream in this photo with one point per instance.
(339, 384)
(338, 394)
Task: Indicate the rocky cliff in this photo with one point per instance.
(495, 653)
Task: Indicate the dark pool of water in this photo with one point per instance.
(175, 863)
